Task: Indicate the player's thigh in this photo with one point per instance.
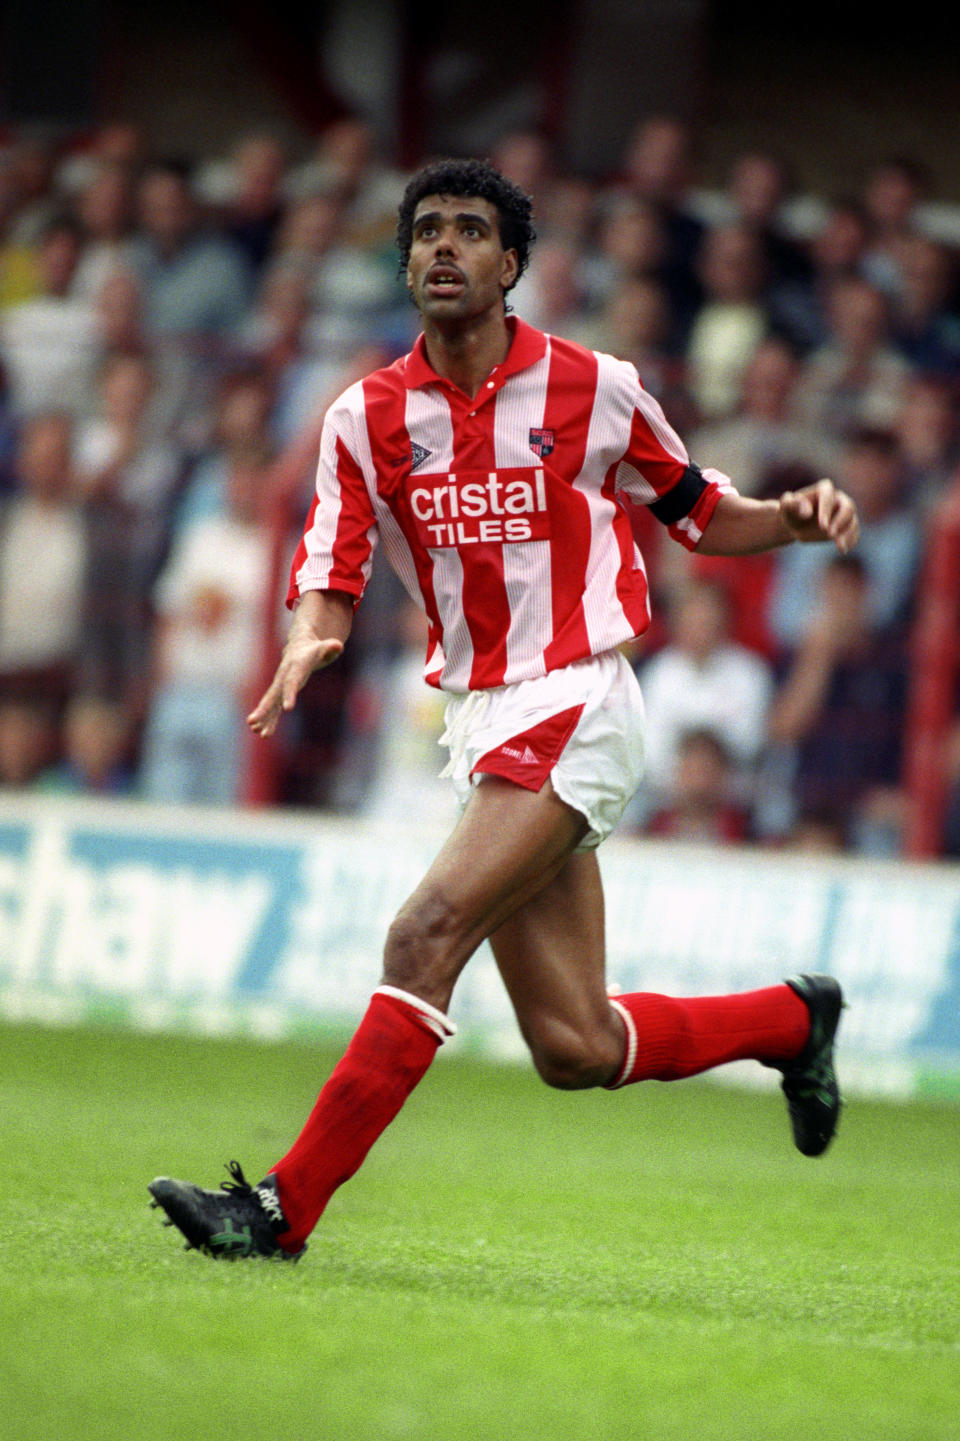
(551, 955)
(509, 843)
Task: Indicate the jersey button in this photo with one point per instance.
(489, 384)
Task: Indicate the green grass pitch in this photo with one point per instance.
(511, 1264)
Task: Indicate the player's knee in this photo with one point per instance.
(572, 1061)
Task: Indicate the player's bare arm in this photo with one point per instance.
(818, 512)
(318, 632)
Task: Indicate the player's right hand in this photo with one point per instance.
(301, 657)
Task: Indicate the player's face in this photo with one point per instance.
(458, 268)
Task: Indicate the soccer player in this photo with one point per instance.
(489, 463)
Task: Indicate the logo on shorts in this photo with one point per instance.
(542, 441)
(526, 757)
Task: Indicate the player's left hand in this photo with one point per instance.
(821, 512)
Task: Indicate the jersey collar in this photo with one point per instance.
(527, 346)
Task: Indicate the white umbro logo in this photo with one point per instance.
(526, 757)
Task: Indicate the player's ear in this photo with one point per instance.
(510, 268)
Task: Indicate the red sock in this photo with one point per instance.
(389, 1053)
(668, 1039)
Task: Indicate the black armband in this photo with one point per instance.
(679, 501)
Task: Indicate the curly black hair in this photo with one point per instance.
(471, 177)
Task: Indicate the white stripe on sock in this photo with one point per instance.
(441, 1025)
(631, 1054)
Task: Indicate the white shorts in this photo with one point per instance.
(583, 727)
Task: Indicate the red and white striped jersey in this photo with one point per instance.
(502, 514)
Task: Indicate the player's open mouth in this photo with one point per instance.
(443, 280)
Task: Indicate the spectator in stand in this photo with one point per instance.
(242, 490)
(570, 210)
(28, 738)
(564, 204)
(837, 251)
(759, 187)
(351, 292)
(97, 745)
(701, 805)
(310, 231)
(120, 313)
(176, 403)
(49, 345)
(635, 324)
(839, 248)
(209, 602)
(871, 469)
(35, 203)
(347, 168)
(274, 332)
(552, 295)
(925, 326)
(840, 710)
(730, 323)
(119, 143)
(763, 434)
(242, 445)
(196, 285)
(302, 376)
(856, 378)
(634, 244)
(929, 437)
(127, 475)
(105, 211)
(43, 559)
(657, 169)
(893, 191)
(196, 290)
(701, 679)
(527, 157)
(276, 341)
(253, 206)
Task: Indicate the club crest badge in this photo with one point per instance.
(542, 441)
(418, 455)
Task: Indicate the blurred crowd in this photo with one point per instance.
(171, 334)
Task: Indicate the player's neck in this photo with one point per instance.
(466, 352)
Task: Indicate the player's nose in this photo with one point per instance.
(445, 243)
